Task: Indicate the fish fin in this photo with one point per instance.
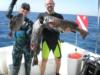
(83, 33)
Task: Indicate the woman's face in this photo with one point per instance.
(23, 11)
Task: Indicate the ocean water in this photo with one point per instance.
(89, 43)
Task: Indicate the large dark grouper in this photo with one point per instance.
(63, 25)
(16, 22)
(55, 23)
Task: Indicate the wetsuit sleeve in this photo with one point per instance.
(61, 17)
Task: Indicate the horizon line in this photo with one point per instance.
(58, 12)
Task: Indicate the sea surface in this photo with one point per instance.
(91, 43)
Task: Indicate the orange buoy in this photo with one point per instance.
(75, 55)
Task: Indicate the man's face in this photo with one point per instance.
(50, 6)
(24, 11)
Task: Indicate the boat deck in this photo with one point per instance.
(66, 48)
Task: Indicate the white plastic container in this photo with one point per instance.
(74, 63)
(3, 63)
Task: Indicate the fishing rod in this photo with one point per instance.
(98, 16)
(10, 10)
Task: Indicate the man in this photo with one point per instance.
(50, 39)
(22, 42)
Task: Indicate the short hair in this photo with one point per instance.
(25, 6)
(49, 1)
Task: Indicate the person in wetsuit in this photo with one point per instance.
(22, 42)
(50, 39)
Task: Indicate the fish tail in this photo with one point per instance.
(83, 33)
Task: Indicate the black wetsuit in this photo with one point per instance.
(50, 37)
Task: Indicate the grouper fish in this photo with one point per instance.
(16, 22)
(63, 25)
(56, 24)
(53, 23)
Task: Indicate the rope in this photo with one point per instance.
(97, 37)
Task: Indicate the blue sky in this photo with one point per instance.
(86, 7)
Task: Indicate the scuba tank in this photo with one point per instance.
(91, 65)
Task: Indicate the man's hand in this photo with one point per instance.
(33, 47)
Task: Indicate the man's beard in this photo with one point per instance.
(50, 10)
